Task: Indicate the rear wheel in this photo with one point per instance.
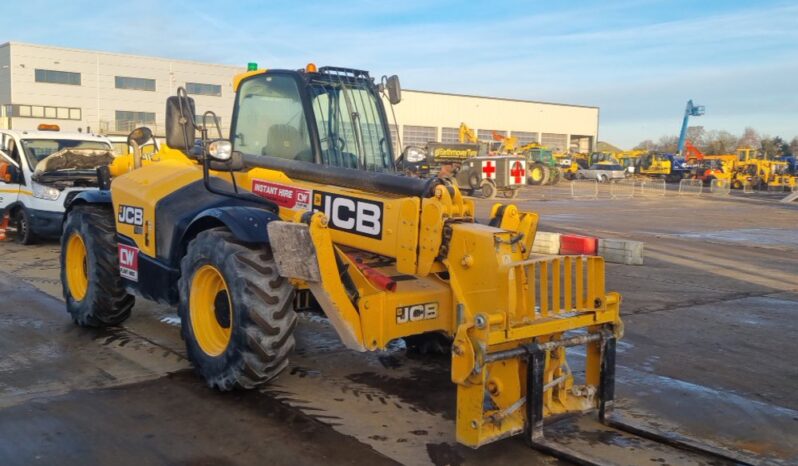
(94, 291)
(237, 313)
(546, 175)
(556, 175)
(537, 174)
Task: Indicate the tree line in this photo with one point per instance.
(723, 142)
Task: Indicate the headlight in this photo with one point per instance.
(415, 154)
(44, 192)
(220, 149)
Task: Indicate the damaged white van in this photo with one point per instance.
(40, 172)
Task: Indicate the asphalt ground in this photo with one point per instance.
(709, 352)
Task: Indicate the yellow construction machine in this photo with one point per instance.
(303, 198)
(753, 169)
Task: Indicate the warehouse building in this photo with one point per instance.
(112, 93)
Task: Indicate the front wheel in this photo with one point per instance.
(488, 189)
(94, 291)
(237, 313)
(24, 234)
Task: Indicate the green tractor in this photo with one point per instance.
(543, 167)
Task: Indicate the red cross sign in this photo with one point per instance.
(518, 172)
(489, 169)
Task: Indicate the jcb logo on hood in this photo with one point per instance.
(131, 215)
(350, 214)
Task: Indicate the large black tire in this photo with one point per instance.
(105, 301)
(261, 317)
(431, 343)
(556, 176)
(21, 221)
(488, 189)
(546, 175)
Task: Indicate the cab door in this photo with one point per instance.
(10, 175)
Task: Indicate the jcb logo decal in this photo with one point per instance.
(416, 312)
(131, 215)
(351, 214)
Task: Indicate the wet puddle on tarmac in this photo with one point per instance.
(763, 237)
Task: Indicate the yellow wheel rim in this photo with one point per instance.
(77, 273)
(211, 310)
(537, 174)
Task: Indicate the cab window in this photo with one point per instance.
(270, 119)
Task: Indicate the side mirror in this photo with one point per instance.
(180, 132)
(140, 136)
(394, 90)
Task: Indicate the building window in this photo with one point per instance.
(525, 137)
(57, 77)
(450, 135)
(395, 139)
(139, 84)
(38, 111)
(418, 135)
(204, 89)
(555, 142)
(128, 121)
(487, 134)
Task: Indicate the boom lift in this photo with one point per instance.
(303, 198)
(689, 110)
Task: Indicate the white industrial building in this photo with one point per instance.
(112, 93)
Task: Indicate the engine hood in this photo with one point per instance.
(74, 159)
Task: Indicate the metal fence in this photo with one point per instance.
(720, 187)
(691, 187)
(584, 189)
(622, 189)
(652, 188)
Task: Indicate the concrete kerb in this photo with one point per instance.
(584, 189)
(691, 187)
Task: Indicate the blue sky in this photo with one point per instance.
(638, 60)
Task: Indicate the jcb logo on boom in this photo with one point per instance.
(350, 214)
(131, 215)
(416, 312)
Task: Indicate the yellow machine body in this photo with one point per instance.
(478, 284)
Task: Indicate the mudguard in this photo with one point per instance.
(248, 224)
(92, 196)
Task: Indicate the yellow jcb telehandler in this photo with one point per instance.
(303, 198)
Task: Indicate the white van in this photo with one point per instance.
(41, 171)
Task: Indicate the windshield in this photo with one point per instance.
(270, 121)
(37, 150)
(351, 130)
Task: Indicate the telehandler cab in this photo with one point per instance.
(303, 197)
